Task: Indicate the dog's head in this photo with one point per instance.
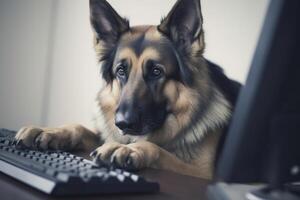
(145, 66)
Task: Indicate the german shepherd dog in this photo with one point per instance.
(162, 104)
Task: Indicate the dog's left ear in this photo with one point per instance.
(107, 23)
(183, 25)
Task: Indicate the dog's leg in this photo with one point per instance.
(141, 155)
(169, 161)
(68, 137)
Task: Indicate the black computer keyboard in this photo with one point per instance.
(61, 173)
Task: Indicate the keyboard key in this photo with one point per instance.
(121, 177)
(6, 142)
(51, 172)
(126, 174)
(62, 177)
(113, 173)
(134, 177)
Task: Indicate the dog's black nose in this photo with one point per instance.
(125, 121)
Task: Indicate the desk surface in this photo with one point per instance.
(172, 186)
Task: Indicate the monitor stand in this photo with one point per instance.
(271, 194)
(224, 191)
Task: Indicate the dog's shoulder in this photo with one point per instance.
(227, 86)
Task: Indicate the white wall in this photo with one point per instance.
(232, 29)
(48, 73)
(74, 72)
(24, 38)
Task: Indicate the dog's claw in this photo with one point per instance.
(18, 142)
(97, 159)
(129, 162)
(113, 160)
(37, 143)
(93, 153)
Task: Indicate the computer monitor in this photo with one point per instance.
(263, 140)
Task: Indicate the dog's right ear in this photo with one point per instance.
(108, 27)
(183, 25)
(107, 23)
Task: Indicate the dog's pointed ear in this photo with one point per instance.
(107, 23)
(184, 22)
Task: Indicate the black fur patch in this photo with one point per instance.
(228, 87)
(107, 64)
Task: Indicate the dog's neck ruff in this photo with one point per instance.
(215, 117)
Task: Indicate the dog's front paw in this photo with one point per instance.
(64, 138)
(118, 155)
(132, 156)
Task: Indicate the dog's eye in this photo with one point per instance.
(156, 72)
(121, 71)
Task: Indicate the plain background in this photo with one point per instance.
(48, 71)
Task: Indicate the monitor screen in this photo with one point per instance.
(261, 144)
